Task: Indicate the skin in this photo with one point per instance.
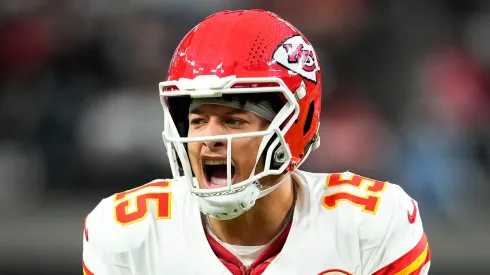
(269, 212)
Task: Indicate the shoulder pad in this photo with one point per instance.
(381, 213)
(122, 222)
(398, 215)
(348, 191)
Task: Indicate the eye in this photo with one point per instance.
(234, 121)
(196, 121)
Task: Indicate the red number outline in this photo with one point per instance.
(368, 203)
(124, 201)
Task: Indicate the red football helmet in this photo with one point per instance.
(244, 52)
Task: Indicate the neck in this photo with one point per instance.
(260, 224)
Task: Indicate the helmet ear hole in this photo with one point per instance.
(278, 156)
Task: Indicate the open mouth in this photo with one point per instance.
(215, 173)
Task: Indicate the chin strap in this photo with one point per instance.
(264, 192)
(232, 205)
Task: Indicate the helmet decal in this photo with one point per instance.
(298, 56)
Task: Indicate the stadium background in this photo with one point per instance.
(405, 99)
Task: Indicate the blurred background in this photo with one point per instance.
(406, 99)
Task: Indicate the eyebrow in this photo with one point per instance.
(236, 111)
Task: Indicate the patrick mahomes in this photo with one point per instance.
(241, 107)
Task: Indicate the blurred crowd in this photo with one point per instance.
(406, 94)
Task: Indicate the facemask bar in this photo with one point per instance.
(176, 151)
(182, 154)
(174, 142)
(275, 124)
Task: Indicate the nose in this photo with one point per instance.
(213, 128)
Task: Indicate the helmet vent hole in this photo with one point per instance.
(309, 118)
(257, 52)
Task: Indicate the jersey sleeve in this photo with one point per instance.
(394, 242)
(98, 259)
(97, 262)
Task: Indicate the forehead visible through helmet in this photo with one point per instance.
(262, 108)
(265, 105)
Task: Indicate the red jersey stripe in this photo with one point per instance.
(410, 262)
(85, 269)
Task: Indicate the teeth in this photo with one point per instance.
(214, 162)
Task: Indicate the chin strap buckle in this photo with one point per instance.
(257, 183)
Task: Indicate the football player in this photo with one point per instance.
(241, 106)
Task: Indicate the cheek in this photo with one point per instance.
(193, 150)
(244, 152)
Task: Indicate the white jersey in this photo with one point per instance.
(342, 224)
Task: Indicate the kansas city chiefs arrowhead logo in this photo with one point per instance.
(298, 56)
